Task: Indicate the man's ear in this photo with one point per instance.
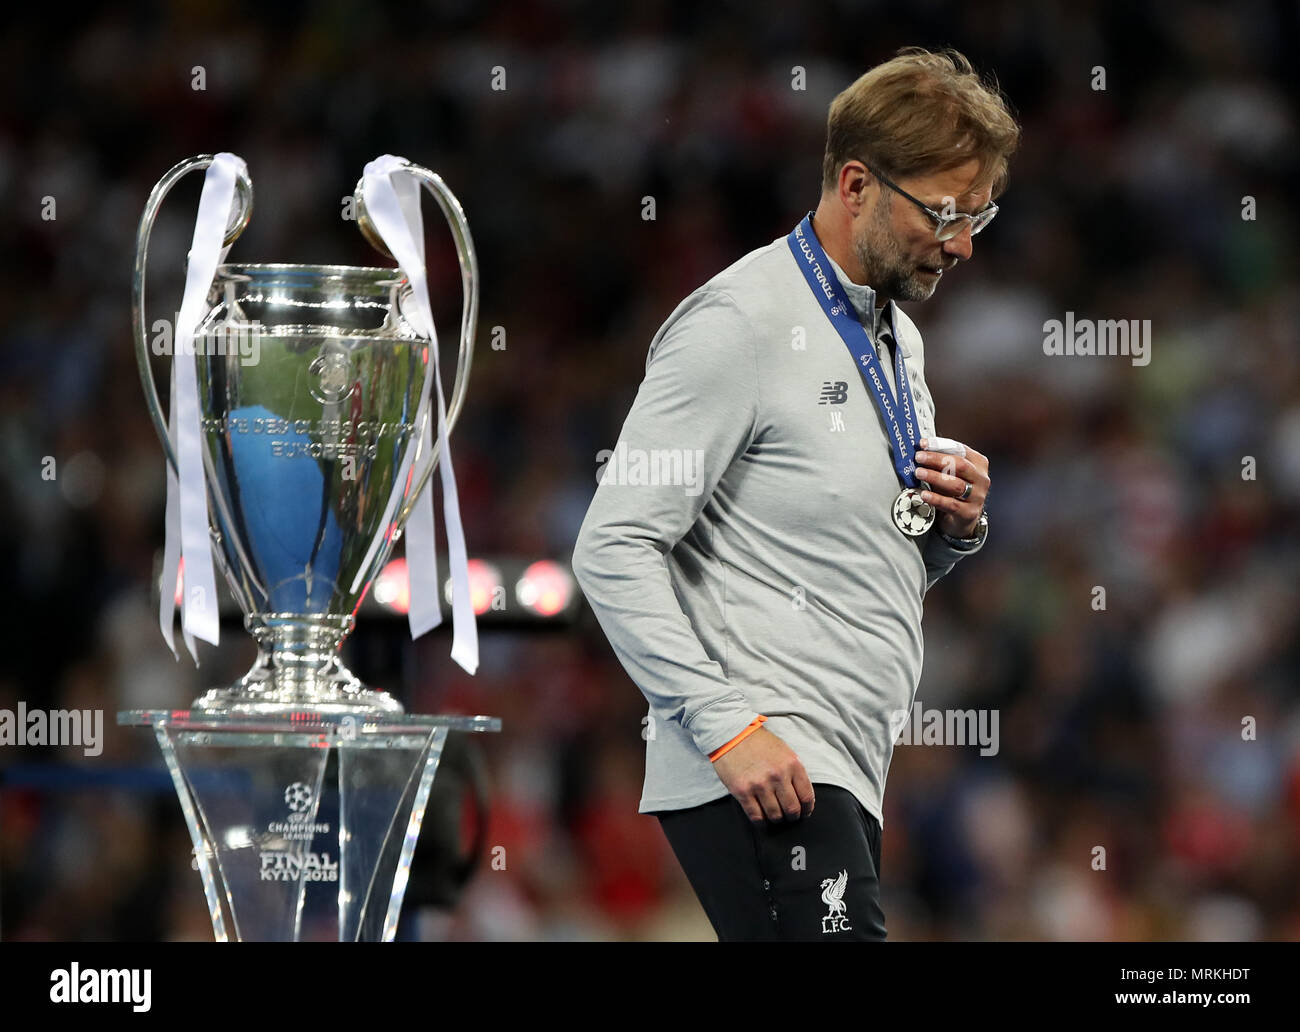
(855, 186)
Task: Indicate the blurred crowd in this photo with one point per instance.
(1161, 723)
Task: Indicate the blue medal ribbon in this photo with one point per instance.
(826, 288)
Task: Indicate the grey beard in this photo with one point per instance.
(889, 275)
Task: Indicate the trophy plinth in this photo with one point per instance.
(285, 853)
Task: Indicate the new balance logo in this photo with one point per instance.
(834, 392)
(833, 897)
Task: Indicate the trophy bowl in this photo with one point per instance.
(308, 411)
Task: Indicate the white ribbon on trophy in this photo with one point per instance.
(392, 199)
(187, 500)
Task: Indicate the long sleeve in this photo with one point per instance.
(940, 557)
(700, 399)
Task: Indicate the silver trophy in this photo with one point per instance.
(302, 446)
(312, 400)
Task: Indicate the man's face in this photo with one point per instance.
(894, 239)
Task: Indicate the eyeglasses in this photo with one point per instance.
(945, 226)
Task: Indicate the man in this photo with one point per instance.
(762, 537)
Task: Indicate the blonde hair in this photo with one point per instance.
(921, 112)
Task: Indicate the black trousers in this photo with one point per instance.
(811, 879)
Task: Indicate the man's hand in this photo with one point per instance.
(765, 775)
(946, 478)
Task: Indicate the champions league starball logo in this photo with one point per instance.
(912, 514)
(297, 797)
(300, 799)
(334, 373)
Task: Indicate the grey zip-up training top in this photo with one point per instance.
(739, 551)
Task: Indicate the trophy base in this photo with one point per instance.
(236, 699)
(268, 690)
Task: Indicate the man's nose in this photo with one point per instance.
(960, 246)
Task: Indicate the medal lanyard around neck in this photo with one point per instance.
(826, 288)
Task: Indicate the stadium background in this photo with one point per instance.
(1119, 728)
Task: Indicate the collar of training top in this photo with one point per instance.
(863, 300)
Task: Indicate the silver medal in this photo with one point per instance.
(912, 514)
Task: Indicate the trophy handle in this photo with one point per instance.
(455, 215)
(239, 219)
